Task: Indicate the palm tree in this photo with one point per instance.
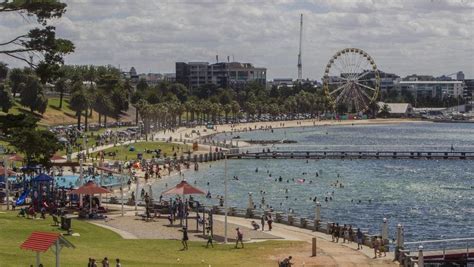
(61, 86)
(79, 102)
(235, 107)
(227, 109)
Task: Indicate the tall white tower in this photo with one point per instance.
(300, 66)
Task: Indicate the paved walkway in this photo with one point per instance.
(328, 253)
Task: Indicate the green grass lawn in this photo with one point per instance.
(97, 242)
(123, 152)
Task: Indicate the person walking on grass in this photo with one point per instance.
(105, 262)
(209, 238)
(185, 239)
(117, 263)
(240, 238)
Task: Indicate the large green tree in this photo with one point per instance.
(6, 99)
(21, 132)
(32, 95)
(40, 40)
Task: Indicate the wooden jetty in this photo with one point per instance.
(336, 154)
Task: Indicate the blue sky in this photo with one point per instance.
(403, 36)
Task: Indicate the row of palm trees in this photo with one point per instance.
(200, 111)
(110, 98)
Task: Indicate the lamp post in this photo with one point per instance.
(7, 189)
(225, 198)
(121, 186)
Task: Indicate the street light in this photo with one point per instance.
(5, 174)
(225, 198)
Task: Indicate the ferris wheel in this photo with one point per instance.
(351, 78)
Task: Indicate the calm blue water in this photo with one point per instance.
(407, 136)
(432, 199)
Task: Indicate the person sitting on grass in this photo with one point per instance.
(240, 238)
(21, 213)
(286, 262)
(31, 212)
(255, 225)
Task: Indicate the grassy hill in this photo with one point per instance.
(54, 115)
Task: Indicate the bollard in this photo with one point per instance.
(250, 203)
(318, 211)
(278, 217)
(316, 225)
(314, 247)
(290, 219)
(399, 245)
(384, 230)
(421, 260)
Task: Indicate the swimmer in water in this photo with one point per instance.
(256, 170)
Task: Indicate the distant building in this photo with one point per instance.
(223, 74)
(169, 77)
(151, 78)
(469, 88)
(398, 109)
(433, 88)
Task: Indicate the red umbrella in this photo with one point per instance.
(90, 188)
(2, 172)
(183, 188)
(57, 157)
(15, 157)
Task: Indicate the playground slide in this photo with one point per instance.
(21, 199)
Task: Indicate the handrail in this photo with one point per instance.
(439, 241)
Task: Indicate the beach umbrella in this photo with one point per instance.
(56, 157)
(183, 188)
(90, 188)
(15, 157)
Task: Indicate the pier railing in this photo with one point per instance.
(350, 154)
(448, 252)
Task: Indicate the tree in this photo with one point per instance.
(79, 102)
(22, 133)
(3, 71)
(142, 85)
(32, 95)
(40, 40)
(61, 86)
(37, 145)
(385, 110)
(6, 99)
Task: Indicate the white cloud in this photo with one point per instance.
(404, 36)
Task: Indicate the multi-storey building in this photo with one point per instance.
(223, 74)
(438, 89)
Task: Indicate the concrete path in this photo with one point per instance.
(328, 252)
